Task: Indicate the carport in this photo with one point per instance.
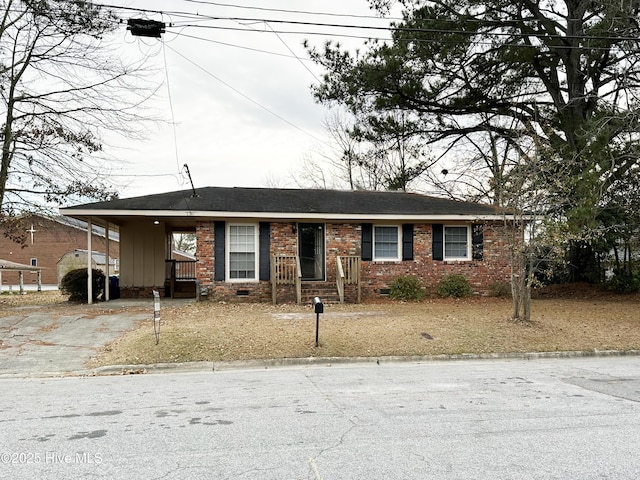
(20, 268)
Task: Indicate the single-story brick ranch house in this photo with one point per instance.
(285, 245)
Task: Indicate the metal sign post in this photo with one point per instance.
(156, 315)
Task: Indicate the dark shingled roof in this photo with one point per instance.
(293, 201)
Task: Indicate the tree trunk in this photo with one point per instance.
(521, 282)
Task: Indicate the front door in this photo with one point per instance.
(311, 250)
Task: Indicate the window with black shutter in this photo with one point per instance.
(367, 242)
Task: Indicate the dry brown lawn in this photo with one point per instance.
(578, 318)
(51, 297)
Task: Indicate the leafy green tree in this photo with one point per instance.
(62, 85)
(505, 78)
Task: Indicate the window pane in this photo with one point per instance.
(242, 265)
(242, 252)
(242, 238)
(386, 242)
(455, 242)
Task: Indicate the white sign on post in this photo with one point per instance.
(156, 315)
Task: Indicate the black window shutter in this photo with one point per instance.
(477, 242)
(219, 241)
(407, 241)
(265, 243)
(437, 247)
(367, 242)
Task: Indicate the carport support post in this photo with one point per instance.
(108, 263)
(89, 258)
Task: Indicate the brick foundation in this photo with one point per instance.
(140, 292)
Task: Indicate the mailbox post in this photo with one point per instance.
(318, 308)
(156, 315)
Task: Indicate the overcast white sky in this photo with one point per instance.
(243, 117)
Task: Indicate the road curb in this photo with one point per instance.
(329, 361)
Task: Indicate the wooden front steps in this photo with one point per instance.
(328, 292)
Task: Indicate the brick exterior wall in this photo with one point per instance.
(482, 274)
(204, 254)
(284, 238)
(51, 241)
(282, 242)
(345, 239)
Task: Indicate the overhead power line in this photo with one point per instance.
(296, 12)
(228, 85)
(388, 27)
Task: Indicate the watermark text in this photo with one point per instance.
(50, 457)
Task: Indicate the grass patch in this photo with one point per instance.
(575, 319)
(30, 299)
(209, 331)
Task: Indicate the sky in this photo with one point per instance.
(235, 94)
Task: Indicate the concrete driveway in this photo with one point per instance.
(60, 339)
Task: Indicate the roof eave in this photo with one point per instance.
(280, 215)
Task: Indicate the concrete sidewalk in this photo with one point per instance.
(57, 340)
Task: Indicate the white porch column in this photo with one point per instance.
(89, 258)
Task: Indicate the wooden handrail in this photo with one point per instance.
(273, 279)
(180, 269)
(285, 270)
(170, 274)
(298, 281)
(340, 278)
(354, 275)
(349, 275)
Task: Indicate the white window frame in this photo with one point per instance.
(256, 231)
(444, 244)
(398, 257)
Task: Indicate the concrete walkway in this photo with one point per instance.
(55, 340)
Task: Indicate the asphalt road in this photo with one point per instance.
(505, 419)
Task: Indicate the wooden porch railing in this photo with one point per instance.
(348, 274)
(285, 270)
(179, 271)
(185, 269)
